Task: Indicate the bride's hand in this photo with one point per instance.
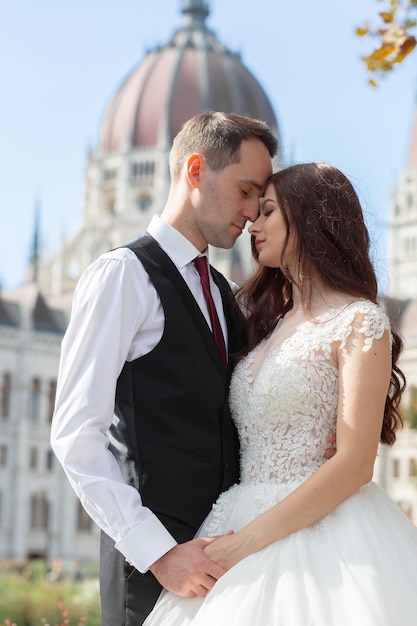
(227, 550)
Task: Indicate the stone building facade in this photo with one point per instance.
(127, 181)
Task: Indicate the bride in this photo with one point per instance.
(307, 541)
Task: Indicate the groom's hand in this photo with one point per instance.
(186, 570)
(331, 449)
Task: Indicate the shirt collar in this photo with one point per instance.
(180, 250)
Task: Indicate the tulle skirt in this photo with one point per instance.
(356, 566)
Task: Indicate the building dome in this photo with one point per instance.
(192, 73)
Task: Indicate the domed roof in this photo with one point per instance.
(191, 73)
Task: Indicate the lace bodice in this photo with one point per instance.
(285, 413)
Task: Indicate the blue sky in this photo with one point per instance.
(61, 62)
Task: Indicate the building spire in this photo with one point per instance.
(33, 269)
(195, 12)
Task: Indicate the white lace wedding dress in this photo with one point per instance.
(355, 567)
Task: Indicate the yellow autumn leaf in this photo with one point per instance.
(384, 51)
(361, 31)
(405, 48)
(375, 62)
(394, 39)
(407, 24)
(387, 16)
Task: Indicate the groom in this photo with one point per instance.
(140, 340)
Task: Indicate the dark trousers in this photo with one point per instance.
(127, 596)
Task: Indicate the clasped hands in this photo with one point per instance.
(192, 568)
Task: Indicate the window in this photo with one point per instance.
(5, 396)
(33, 458)
(109, 174)
(143, 171)
(396, 468)
(51, 399)
(3, 455)
(84, 521)
(39, 511)
(144, 203)
(35, 400)
(49, 460)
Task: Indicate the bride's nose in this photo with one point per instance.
(253, 228)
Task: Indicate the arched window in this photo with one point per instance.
(49, 460)
(33, 458)
(84, 521)
(3, 455)
(39, 511)
(35, 400)
(5, 396)
(51, 398)
(143, 171)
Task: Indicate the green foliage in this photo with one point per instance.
(27, 598)
(409, 413)
(410, 416)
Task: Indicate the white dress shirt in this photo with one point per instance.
(116, 317)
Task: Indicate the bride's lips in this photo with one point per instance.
(259, 242)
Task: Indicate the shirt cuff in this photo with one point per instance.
(145, 543)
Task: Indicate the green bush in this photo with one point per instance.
(28, 598)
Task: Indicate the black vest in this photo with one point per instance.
(172, 434)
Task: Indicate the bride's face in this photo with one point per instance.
(270, 231)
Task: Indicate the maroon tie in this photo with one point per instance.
(200, 263)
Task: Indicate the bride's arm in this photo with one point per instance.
(364, 378)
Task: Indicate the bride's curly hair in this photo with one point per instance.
(324, 217)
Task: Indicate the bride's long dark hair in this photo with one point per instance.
(323, 214)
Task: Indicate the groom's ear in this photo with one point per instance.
(195, 167)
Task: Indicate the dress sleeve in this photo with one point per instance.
(368, 320)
